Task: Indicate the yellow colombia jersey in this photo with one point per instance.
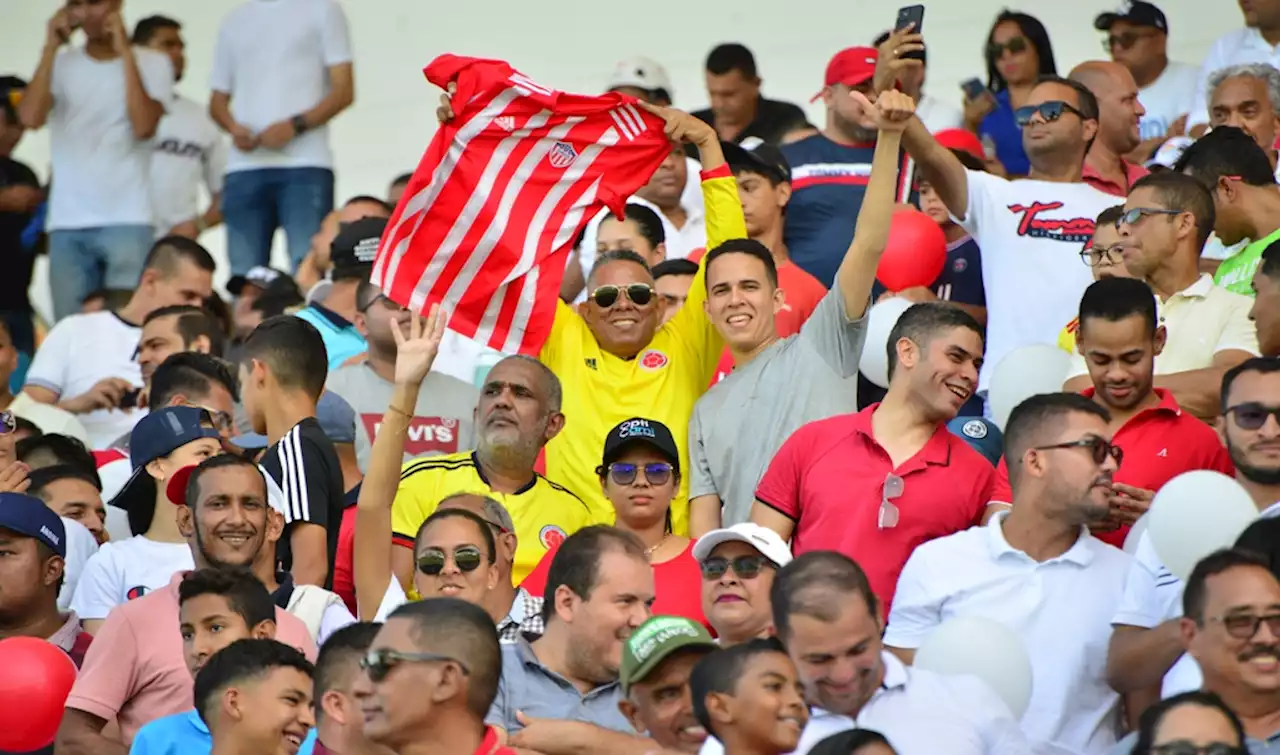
(544, 513)
(662, 383)
(1067, 338)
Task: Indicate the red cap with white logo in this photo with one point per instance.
(850, 67)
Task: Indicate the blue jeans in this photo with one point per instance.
(256, 202)
(83, 260)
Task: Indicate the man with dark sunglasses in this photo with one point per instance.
(738, 564)
(1231, 627)
(1147, 645)
(1028, 568)
(1168, 217)
(1031, 229)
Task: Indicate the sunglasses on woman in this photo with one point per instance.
(640, 294)
(432, 560)
(1050, 111)
(378, 663)
(746, 567)
(656, 473)
(996, 50)
(1253, 415)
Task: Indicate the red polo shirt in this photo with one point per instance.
(1132, 172)
(1159, 444)
(829, 478)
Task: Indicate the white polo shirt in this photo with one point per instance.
(1152, 596)
(921, 713)
(1062, 608)
(1200, 320)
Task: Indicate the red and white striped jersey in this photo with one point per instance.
(490, 215)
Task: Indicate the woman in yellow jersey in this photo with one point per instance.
(640, 474)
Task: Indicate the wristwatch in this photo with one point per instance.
(299, 125)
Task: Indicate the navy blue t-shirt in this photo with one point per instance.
(828, 182)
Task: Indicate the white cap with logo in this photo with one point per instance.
(642, 73)
(762, 539)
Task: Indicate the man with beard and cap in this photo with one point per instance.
(1120, 338)
(825, 201)
(1229, 627)
(1147, 643)
(135, 670)
(1061, 461)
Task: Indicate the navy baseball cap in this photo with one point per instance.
(336, 417)
(982, 435)
(28, 516)
(157, 435)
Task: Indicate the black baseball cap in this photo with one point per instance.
(356, 245)
(758, 157)
(1136, 12)
(649, 432)
(258, 275)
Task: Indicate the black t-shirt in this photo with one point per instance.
(305, 466)
(15, 262)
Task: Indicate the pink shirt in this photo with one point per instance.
(134, 671)
(1132, 172)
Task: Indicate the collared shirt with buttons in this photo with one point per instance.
(536, 691)
(1201, 320)
(1159, 444)
(829, 478)
(921, 713)
(1132, 172)
(978, 573)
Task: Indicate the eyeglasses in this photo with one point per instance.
(1131, 217)
(391, 305)
(1124, 40)
(1050, 111)
(1094, 256)
(8, 423)
(1244, 626)
(746, 567)
(1183, 747)
(893, 488)
(996, 51)
(1253, 415)
(622, 473)
(223, 422)
(1099, 448)
(640, 294)
(432, 560)
(378, 663)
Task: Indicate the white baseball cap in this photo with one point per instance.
(762, 539)
(1170, 152)
(642, 73)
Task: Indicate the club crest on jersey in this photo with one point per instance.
(653, 360)
(551, 536)
(960, 265)
(562, 155)
(974, 429)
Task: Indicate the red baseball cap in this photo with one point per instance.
(850, 67)
(963, 140)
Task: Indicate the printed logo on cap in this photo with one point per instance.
(636, 428)
(657, 632)
(653, 360)
(49, 534)
(367, 249)
(562, 155)
(975, 429)
(551, 536)
(136, 592)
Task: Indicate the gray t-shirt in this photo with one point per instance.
(740, 423)
(442, 423)
(538, 692)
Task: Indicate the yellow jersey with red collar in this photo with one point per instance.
(662, 383)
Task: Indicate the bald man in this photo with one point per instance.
(1119, 111)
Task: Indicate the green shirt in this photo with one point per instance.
(1236, 273)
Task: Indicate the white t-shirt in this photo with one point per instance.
(1167, 99)
(81, 546)
(272, 57)
(101, 168)
(937, 115)
(1233, 48)
(78, 352)
(465, 358)
(1031, 233)
(125, 570)
(978, 573)
(189, 150)
(49, 418)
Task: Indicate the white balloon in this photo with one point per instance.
(1195, 514)
(875, 356)
(983, 648)
(1132, 539)
(1022, 373)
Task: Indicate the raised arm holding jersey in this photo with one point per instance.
(780, 384)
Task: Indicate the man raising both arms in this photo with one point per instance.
(785, 382)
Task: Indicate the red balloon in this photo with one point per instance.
(915, 253)
(35, 679)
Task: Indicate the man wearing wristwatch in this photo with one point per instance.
(281, 70)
